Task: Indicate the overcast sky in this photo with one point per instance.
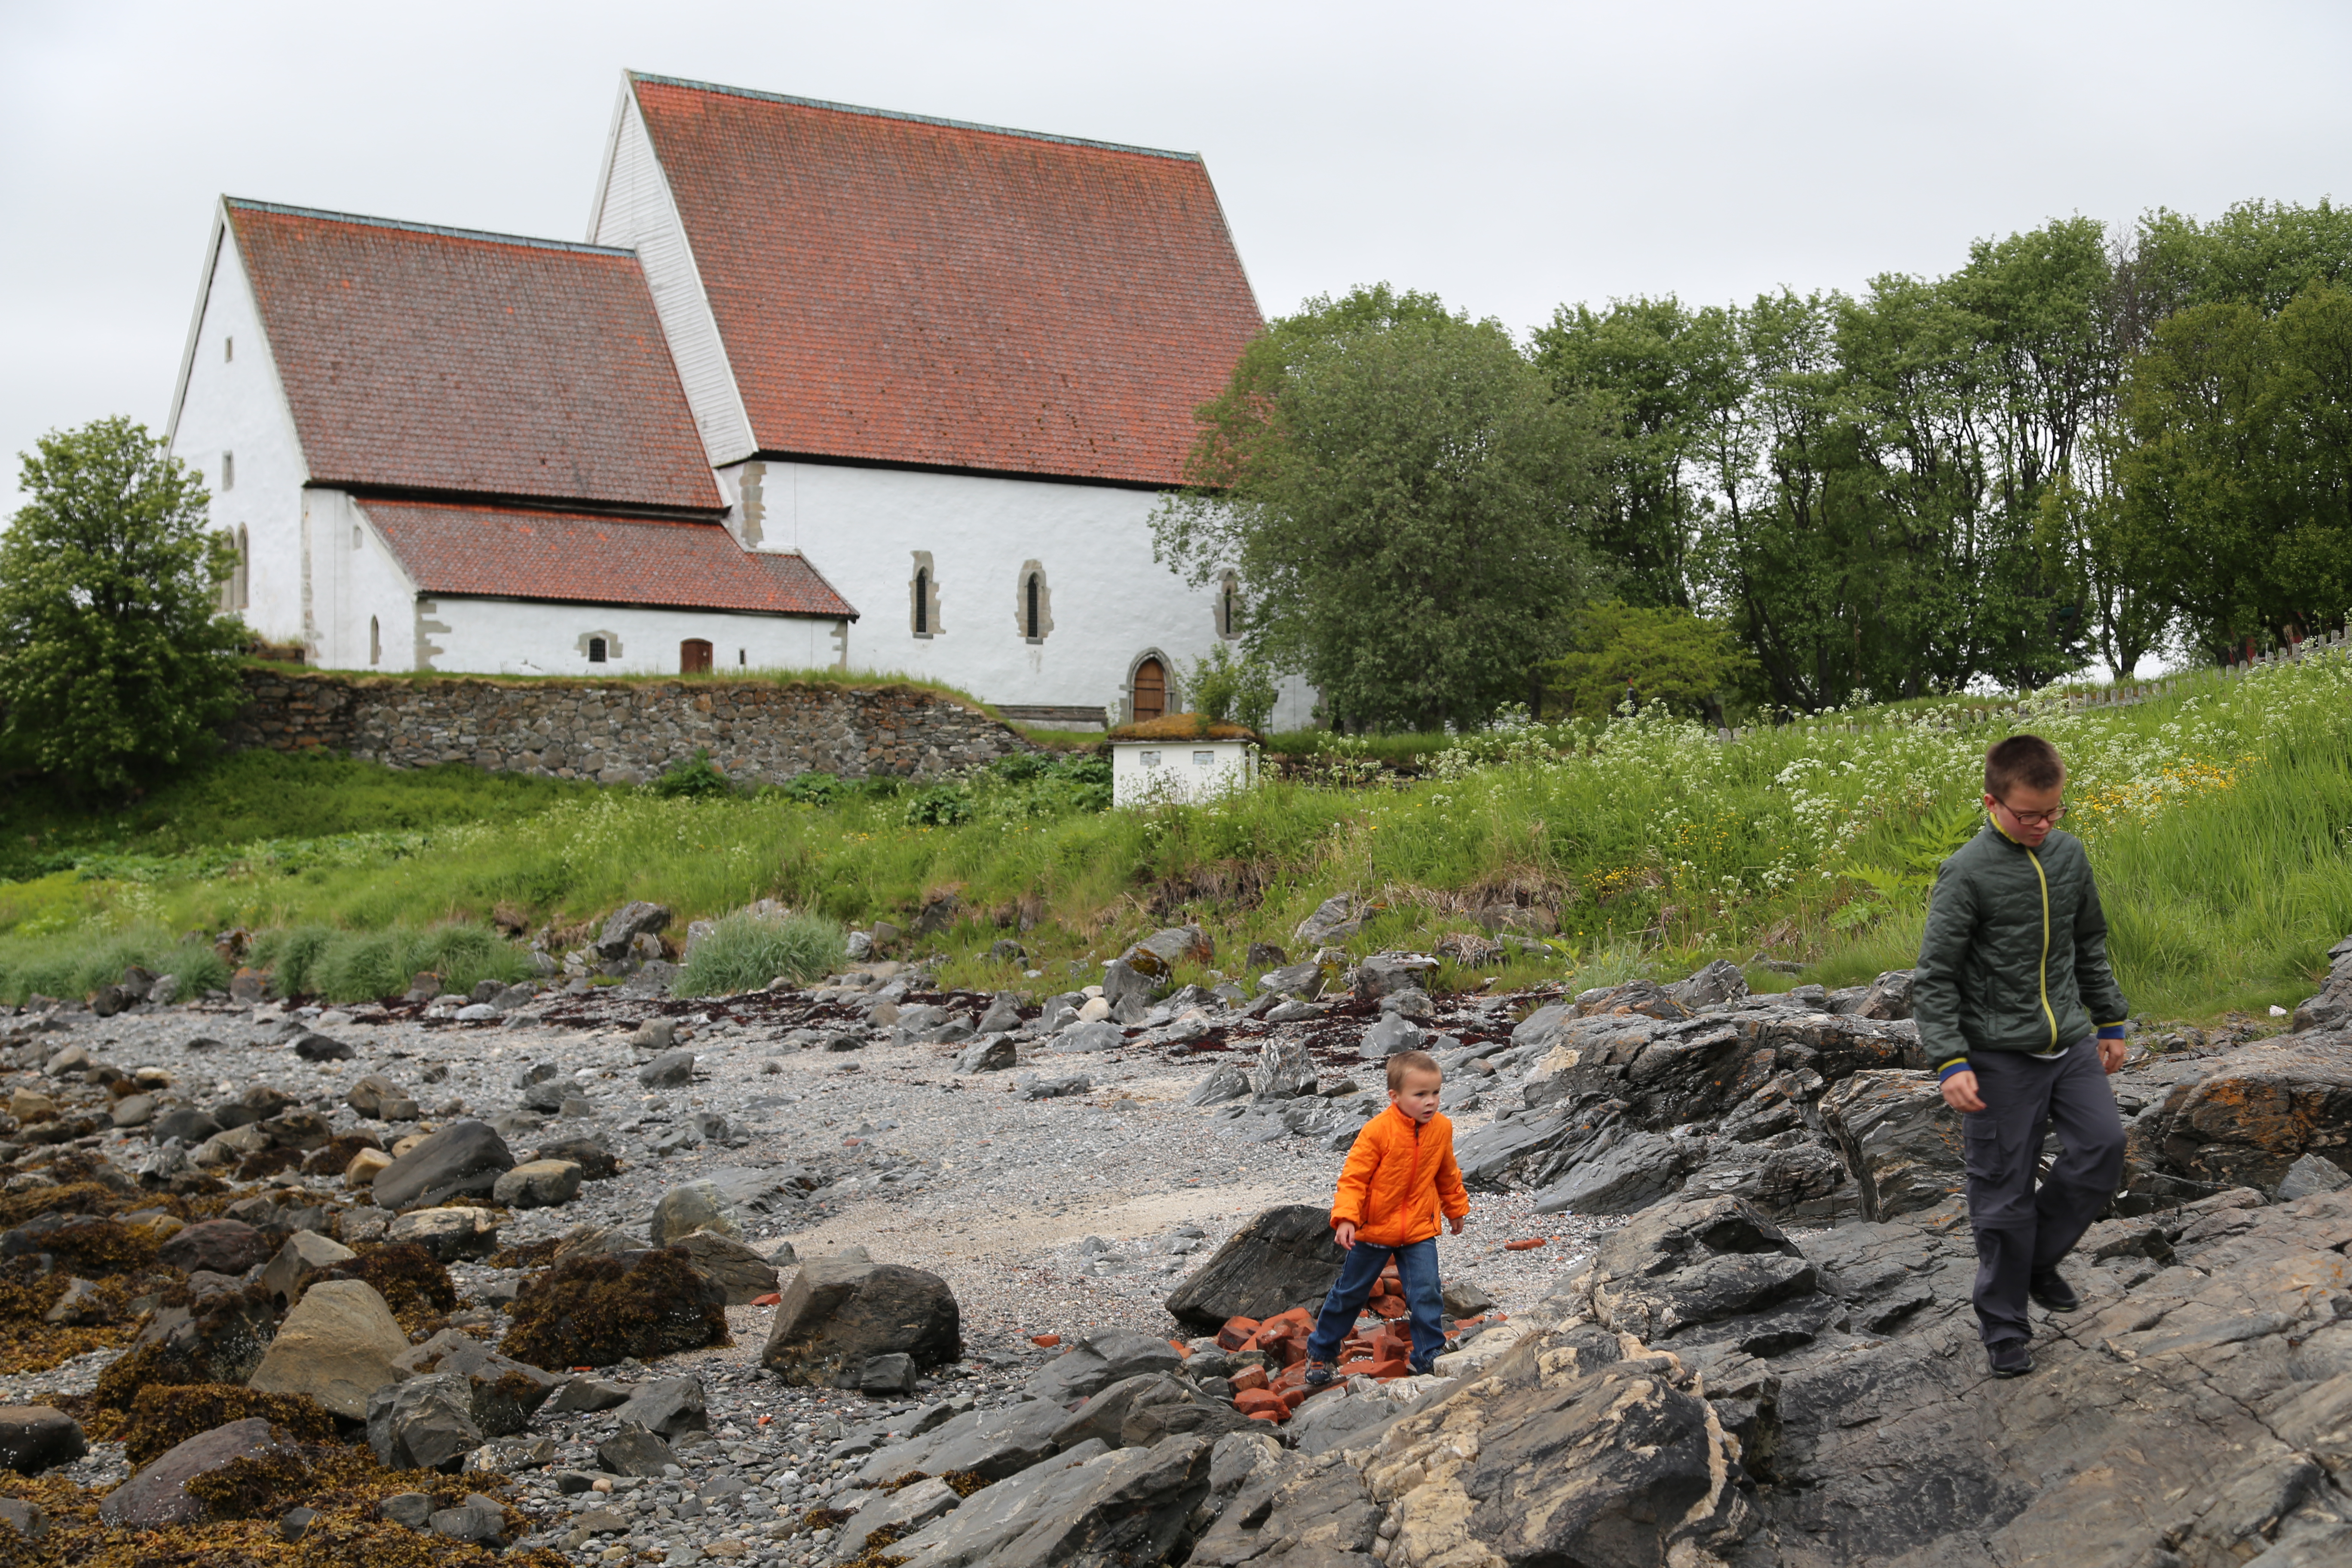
(1508, 157)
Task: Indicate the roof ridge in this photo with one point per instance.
(445, 231)
(636, 75)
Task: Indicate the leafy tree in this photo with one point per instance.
(1403, 497)
(115, 665)
(1658, 654)
(1223, 687)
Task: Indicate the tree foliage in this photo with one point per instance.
(1649, 654)
(114, 663)
(1403, 497)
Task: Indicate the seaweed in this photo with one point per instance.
(263, 1163)
(410, 1279)
(163, 1418)
(600, 1309)
(333, 1157)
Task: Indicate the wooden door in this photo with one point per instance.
(1151, 690)
(694, 657)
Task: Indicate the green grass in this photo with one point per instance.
(2220, 820)
(745, 952)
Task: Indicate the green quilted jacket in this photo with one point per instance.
(2015, 954)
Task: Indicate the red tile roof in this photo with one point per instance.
(439, 360)
(899, 290)
(513, 553)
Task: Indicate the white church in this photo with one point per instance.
(825, 386)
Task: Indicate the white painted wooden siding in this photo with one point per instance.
(634, 209)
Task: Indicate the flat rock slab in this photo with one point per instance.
(465, 1157)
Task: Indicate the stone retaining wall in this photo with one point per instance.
(621, 733)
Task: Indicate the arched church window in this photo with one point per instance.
(596, 650)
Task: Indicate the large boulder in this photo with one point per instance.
(1630, 1174)
(1127, 991)
(1335, 919)
(1137, 1411)
(464, 1159)
(1283, 1258)
(2258, 1110)
(626, 924)
(424, 1423)
(35, 1438)
(1900, 1141)
(594, 1308)
(158, 1495)
(837, 1313)
(448, 1234)
(337, 1346)
(1284, 1070)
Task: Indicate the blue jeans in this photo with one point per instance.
(1416, 1268)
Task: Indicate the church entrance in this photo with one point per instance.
(1151, 690)
(694, 657)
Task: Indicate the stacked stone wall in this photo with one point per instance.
(616, 733)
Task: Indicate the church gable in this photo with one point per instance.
(894, 289)
(435, 360)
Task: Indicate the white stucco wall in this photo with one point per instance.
(1109, 603)
(237, 404)
(518, 636)
(355, 579)
(1144, 772)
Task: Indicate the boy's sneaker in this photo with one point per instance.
(1421, 1368)
(2049, 1289)
(1318, 1374)
(2009, 1358)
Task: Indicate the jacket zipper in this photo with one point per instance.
(2043, 974)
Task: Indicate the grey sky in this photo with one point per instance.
(1507, 157)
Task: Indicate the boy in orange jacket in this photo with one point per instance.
(1399, 1176)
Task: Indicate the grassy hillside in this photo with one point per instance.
(2220, 819)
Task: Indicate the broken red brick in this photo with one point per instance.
(1180, 1347)
(1252, 1401)
(1047, 1340)
(1387, 1370)
(1248, 1378)
(770, 1300)
(1527, 1244)
(1235, 1333)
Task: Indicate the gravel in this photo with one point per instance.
(1046, 1216)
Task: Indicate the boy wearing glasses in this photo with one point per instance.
(2012, 985)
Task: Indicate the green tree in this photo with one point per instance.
(115, 665)
(1222, 687)
(1404, 499)
(1659, 654)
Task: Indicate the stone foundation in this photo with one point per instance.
(621, 733)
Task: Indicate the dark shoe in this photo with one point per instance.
(2009, 1358)
(1423, 1368)
(1318, 1374)
(2051, 1289)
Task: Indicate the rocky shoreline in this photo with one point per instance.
(792, 1254)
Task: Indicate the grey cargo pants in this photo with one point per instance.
(2021, 1229)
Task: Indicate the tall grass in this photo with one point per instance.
(361, 965)
(75, 969)
(2217, 818)
(744, 952)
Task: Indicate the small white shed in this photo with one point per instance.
(1180, 758)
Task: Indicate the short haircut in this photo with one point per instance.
(1404, 1062)
(2027, 759)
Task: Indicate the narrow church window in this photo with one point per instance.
(922, 602)
(923, 597)
(228, 349)
(740, 661)
(228, 471)
(1229, 606)
(240, 577)
(595, 650)
(358, 539)
(1033, 603)
(694, 657)
(375, 641)
(1029, 617)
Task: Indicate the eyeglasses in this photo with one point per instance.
(2032, 818)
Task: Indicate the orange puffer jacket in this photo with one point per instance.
(1397, 1178)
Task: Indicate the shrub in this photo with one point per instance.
(941, 805)
(744, 952)
(695, 778)
(813, 788)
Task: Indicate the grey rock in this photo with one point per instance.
(1395, 1032)
(424, 1423)
(323, 1048)
(479, 1519)
(1138, 1411)
(1387, 973)
(1889, 996)
(671, 1070)
(1335, 919)
(596, 1161)
(741, 1273)
(134, 1110)
(1230, 1080)
(337, 1347)
(410, 1511)
(890, 1374)
(667, 1408)
(1718, 982)
(1098, 1360)
(501, 1394)
(633, 1451)
(26, 1518)
(538, 1183)
(1300, 980)
(1284, 1070)
(158, 1494)
(1631, 1174)
(995, 1443)
(79, 1303)
(1102, 1034)
(1125, 1506)
(1128, 990)
(2312, 1173)
(1282, 1257)
(185, 1123)
(655, 1035)
(1003, 1015)
(1467, 1299)
(1036, 1088)
(465, 1157)
(990, 1053)
(695, 1206)
(837, 1313)
(626, 924)
(1900, 1141)
(217, 1246)
(35, 1438)
(582, 1394)
(448, 1234)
